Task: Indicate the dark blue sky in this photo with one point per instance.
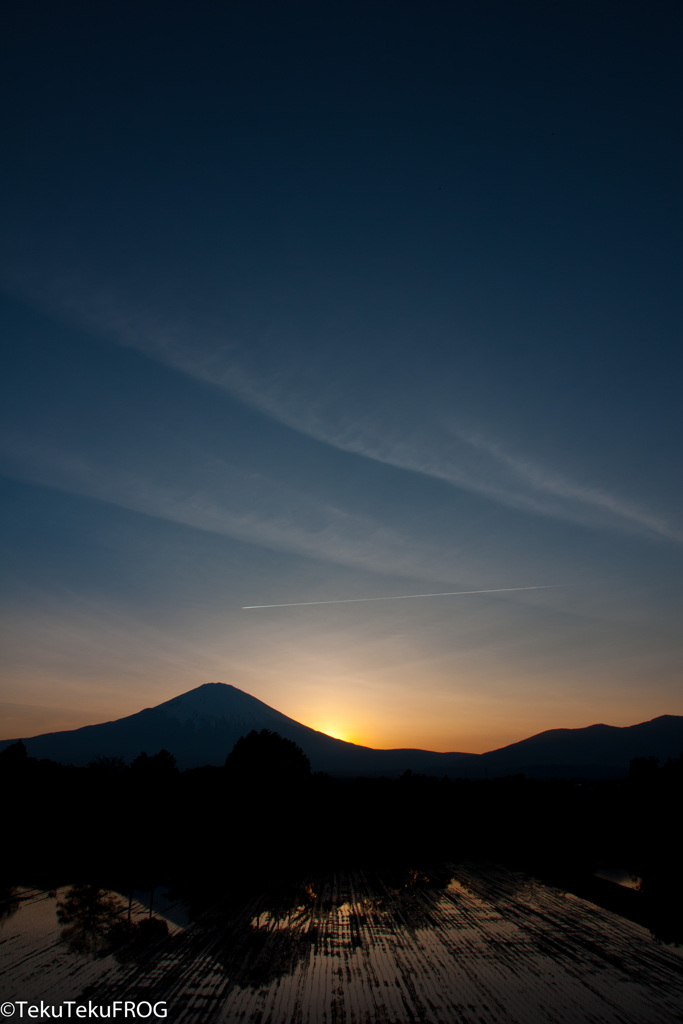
(315, 301)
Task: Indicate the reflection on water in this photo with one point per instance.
(10, 902)
(466, 943)
(89, 915)
(97, 922)
(51, 937)
(621, 877)
(284, 931)
(401, 894)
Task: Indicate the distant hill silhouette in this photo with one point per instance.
(596, 751)
(202, 726)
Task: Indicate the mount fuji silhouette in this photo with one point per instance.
(201, 727)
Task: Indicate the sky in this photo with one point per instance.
(309, 301)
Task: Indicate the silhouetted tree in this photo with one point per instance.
(267, 757)
(14, 756)
(107, 767)
(643, 769)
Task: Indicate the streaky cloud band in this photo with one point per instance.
(399, 597)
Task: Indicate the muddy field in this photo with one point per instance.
(471, 945)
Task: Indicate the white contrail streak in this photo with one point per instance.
(401, 597)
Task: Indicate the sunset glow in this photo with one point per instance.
(350, 379)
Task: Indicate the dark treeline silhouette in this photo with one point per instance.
(265, 817)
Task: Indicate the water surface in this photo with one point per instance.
(466, 945)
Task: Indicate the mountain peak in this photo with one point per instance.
(216, 701)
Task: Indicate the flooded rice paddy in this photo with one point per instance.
(470, 945)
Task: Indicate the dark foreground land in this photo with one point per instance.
(265, 816)
(307, 898)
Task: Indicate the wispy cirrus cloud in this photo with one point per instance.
(224, 500)
(573, 499)
(308, 401)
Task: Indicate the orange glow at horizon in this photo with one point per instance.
(477, 731)
(338, 731)
(383, 684)
(482, 715)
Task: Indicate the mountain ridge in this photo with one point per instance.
(202, 725)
